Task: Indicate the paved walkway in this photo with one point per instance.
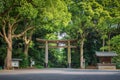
(60, 74)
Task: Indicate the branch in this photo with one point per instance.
(27, 39)
(3, 29)
(1, 35)
(3, 25)
(16, 20)
(30, 36)
(4, 34)
(22, 33)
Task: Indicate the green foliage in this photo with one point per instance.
(89, 20)
(111, 8)
(51, 36)
(55, 11)
(31, 44)
(92, 44)
(104, 37)
(1, 6)
(57, 58)
(115, 45)
(24, 63)
(18, 53)
(37, 55)
(115, 42)
(2, 55)
(39, 66)
(2, 52)
(74, 58)
(84, 16)
(104, 48)
(27, 9)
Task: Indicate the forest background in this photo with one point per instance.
(95, 24)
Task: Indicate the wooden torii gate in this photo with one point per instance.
(68, 44)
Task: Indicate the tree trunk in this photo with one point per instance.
(81, 54)
(8, 38)
(109, 48)
(26, 54)
(27, 40)
(103, 44)
(26, 50)
(8, 63)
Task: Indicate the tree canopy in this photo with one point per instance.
(95, 24)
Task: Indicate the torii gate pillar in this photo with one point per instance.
(46, 54)
(69, 55)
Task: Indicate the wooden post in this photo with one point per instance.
(69, 55)
(46, 54)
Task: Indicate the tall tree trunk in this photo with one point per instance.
(81, 54)
(26, 54)
(103, 45)
(8, 38)
(27, 40)
(8, 59)
(109, 48)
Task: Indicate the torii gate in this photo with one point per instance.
(69, 46)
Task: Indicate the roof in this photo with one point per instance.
(105, 54)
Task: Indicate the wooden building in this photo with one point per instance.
(105, 60)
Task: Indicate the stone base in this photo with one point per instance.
(69, 65)
(106, 66)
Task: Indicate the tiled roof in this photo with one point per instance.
(110, 54)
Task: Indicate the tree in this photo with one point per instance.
(11, 15)
(115, 46)
(84, 17)
(109, 21)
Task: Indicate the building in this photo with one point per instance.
(105, 60)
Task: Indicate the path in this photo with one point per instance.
(60, 74)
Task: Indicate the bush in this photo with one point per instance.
(25, 62)
(115, 46)
(39, 66)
